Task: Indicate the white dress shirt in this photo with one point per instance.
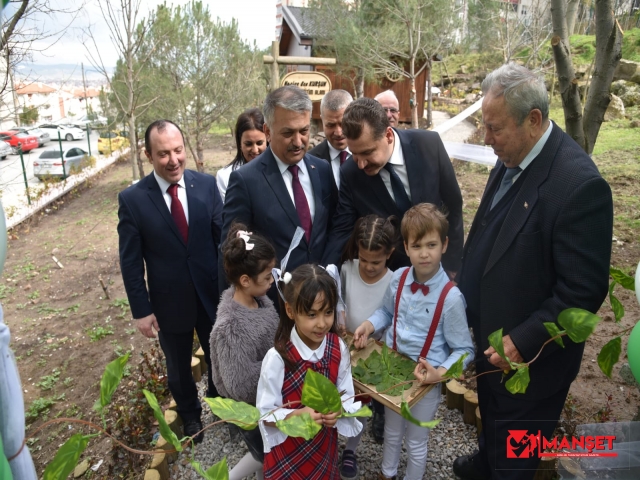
(305, 181)
(269, 395)
(334, 153)
(397, 160)
(222, 180)
(182, 193)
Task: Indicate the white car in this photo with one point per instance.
(5, 149)
(49, 163)
(67, 133)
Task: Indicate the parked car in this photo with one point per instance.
(49, 164)
(17, 139)
(43, 137)
(5, 149)
(111, 141)
(67, 132)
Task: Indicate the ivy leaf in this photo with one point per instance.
(299, 426)
(362, 412)
(66, 459)
(319, 393)
(616, 306)
(455, 370)
(553, 330)
(406, 413)
(239, 413)
(385, 356)
(219, 471)
(609, 355)
(495, 340)
(110, 380)
(622, 278)
(519, 382)
(165, 431)
(578, 323)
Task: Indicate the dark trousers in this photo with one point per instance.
(178, 349)
(501, 413)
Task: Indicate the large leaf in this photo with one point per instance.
(239, 413)
(362, 412)
(622, 278)
(609, 355)
(406, 413)
(299, 426)
(66, 459)
(578, 323)
(519, 382)
(616, 306)
(495, 340)
(219, 471)
(455, 370)
(319, 393)
(110, 380)
(553, 330)
(165, 431)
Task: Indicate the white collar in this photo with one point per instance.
(537, 148)
(397, 157)
(164, 185)
(283, 166)
(305, 352)
(334, 152)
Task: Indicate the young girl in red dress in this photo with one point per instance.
(305, 339)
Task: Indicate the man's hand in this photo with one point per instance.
(146, 326)
(361, 335)
(510, 351)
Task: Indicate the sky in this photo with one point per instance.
(256, 20)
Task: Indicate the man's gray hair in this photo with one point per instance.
(335, 100)
(288, 97)
(386, 92)
(522, 89)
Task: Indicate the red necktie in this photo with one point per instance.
(415, 286)
(343, 156)
(300, 199)
(177, 212)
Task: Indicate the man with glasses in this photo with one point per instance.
(389, 102)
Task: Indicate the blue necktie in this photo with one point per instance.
(400, 194)
(507, 181)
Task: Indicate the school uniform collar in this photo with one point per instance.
(305, 352)
(432, 283)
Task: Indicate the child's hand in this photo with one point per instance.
(315, 416)
(361, 335)
(426, 373)
(329, 420)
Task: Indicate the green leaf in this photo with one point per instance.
(66, 459)
(110, 380)
(362, 412)
(455, 370)
(578, 323)
(319, 393)
(239, 413)
(609, 355)
(616, 306)
(495, 340)
(622, 278)
(519, 382)
(553, 330)
(219, 471)
(165, 431)
(299, 426)
(406, 413)
(385, 355)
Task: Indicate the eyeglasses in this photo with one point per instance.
(392, 110)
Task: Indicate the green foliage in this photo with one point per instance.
(622, 278)
(67, 457)
(38, 407)
(29, 115)
(301, 426)
(385, 370)
(110, 380)
(455, 371)
(631, 45)
(219, 471)
(609, 355)
(165, 431)
(495, 340)
(553, 330)
(406, 414)
(519, 382)
(320, 393)
(98, 332)
(49, 381)
(616, 305)
(362, 412)
(239, 413)
(578, 323)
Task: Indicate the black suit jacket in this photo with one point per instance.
(177, 273)
(552, 253)
(257, 197)
(322, 151)
(431, 180)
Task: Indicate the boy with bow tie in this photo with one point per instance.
(424, 317)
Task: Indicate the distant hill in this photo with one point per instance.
(59, 73)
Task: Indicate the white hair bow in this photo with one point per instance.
(246, 236)
(277, 272)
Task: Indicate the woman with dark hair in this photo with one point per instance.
(250, 142)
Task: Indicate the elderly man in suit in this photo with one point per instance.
(169, 225)
(333, 148)
(392, 171)
(285, 188)
(389, 102)
(540, 243)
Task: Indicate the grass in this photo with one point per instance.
(98, 332)
(49, 381)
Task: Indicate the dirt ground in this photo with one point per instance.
(65, 330)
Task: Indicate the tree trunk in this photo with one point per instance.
(413, 98)
(572, 13)
(359, 89)
(136, 163)
(199, 153)
(133, 154)
(429, 98)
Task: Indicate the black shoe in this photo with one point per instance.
(377, 427)
(470, 467)
(348, 465)
(191, 428)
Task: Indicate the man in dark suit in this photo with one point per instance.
(169, 223)
(540, 243)
(333, 148)
(393, 170)
(284, 188)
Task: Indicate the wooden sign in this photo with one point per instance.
(316, 84)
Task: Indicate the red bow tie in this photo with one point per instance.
(415, 286)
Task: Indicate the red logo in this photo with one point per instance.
(522, 444)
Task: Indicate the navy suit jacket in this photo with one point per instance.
(177, 273)
(431, 180)
(552, 253)
(257, 197)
